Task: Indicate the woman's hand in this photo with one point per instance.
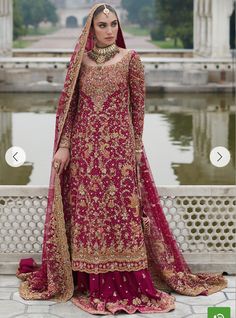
(138, 157)
(61, 159)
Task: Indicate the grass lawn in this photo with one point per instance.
(21, 44)
(136, 30)
(168, 44)
(42, 30)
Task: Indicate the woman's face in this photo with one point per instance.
(105, 28)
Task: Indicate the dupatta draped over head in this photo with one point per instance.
(54, 278)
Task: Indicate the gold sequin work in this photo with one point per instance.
(101, 202)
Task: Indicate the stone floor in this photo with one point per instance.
(13, 306)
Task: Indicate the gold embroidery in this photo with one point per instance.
(61, 290)
(142, 303)
(69, 86)
(134, 203)
(103, 148)
(189, 284)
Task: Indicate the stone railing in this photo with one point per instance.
(47, 74)
(202, 218)
(62, 52)
(150, 62)
(57, 52)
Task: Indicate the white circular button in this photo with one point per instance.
(15, 157)
(220, 156)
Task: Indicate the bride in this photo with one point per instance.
(107, 244)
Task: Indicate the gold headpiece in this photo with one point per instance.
(106, 11)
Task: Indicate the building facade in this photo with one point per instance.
(73, 13)
(212, 27)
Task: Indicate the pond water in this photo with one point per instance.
(179, 132)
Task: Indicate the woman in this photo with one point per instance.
(98, 246)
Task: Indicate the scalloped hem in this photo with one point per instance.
(97, 306)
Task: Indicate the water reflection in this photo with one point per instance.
(9, 175)
(195, 124)
(179, 132)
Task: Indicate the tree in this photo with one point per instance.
(146, 16)
(18, 26)
(35, 11)
(50, 12)
(176, 17)
(139, 10)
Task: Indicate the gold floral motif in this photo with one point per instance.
(81, 189)
(110, 203)
(89, 150)
(103, 150)
(141, 303)
(134, 203)
(82, 203)
(125, 169)
(128, 83)
(189, 284)
(59, 249)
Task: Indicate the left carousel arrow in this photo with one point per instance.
(15, 156)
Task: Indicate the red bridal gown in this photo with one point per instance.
(100, 194)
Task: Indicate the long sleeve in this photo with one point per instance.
(137, 97)
(67, 129)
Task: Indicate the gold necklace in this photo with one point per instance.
(102, 54)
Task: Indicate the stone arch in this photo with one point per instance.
(71, 22)
(84, 20)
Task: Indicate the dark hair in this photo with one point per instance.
(101, 8)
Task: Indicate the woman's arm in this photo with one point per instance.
(67, 129)
(137, 97)
(66, 132)
(61, 158)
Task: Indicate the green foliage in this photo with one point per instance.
(176, 16)
(158, 33)
(168, 44)
(164, 18)
(50, 12)
(26, 42)
(35, 11)
(21, 44)
(140, 12)
(146, 16)
(42, 30)
(136, 30)
(18, 27)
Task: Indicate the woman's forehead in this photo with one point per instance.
(102, 17)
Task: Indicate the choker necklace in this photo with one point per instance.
(102, 54)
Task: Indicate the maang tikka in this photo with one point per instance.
(106, 11)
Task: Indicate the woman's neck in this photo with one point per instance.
(103, 46)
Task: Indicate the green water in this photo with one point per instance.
(179, 132)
